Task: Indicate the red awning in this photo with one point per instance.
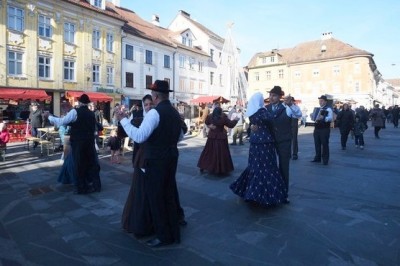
(23, 94)
(210, 99)
(93, 96)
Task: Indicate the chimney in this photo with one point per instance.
(155, 19)
(326, 35)
(184, 13)
(116, 3)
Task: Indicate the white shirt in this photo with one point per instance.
(70, 117)
(141, 134)
(292, 111)
(149, 124)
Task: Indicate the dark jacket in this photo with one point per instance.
(345, 120)
(281, 124)
(36, 118)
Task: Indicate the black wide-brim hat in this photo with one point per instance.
(84, 99)
(160, 86)
(277, 90)
(323, 97)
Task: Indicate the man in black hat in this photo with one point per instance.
(160, 132)
(283, 112)
(82, 122)
(323, 117)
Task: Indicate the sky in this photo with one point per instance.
(263, 25)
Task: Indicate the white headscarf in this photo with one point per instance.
(255, 103)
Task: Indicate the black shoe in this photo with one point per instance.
(182, 222)
(315, 161)
(156, 243)
(294, 157)
(286, 201)
(80, 192)
(343, 148)
(325, 163)
(241, 143)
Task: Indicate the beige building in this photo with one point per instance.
(60, 46)
(310, 69)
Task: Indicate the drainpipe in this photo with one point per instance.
(173, 74)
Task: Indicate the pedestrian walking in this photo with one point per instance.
(378, 118)
(345, 122)
(358, 129)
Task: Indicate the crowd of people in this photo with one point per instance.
(156, 127)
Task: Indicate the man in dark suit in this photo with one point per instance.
(160, 132)
(323, 117)
(283, 112)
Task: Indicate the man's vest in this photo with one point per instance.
(84, 126)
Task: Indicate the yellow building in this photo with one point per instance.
(310, 69)
(60, 46)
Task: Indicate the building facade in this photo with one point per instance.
(60, 46)
(310, 69)
(201, 38)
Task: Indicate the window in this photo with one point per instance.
(201, 66)
(14, 63)
(280, 73)
(96, 74)
(167, 61)
(336, 70)
(69, 32)
(257, 76)
(110, 75)
(297, 74)
(191, 63)
(315, 73)
(149, 81)
(69, 70)
(181, 61)
(110, 42)
(169, 81)
(129, 79)
(182, 84)
(44, 67)
(129, 52)
(268, 75)
(15, 18)
(357, 68)
(357, 86)
(272, 59)
(97, 3)
(96, 39)
(183, 40)
(211, 78)
(45, 29)
(191, 85)
(149, 57)
(212, 54)
(264, 60)
(190, 43)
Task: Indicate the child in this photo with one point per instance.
(4, 138)
(359, 128)
(115, 145)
